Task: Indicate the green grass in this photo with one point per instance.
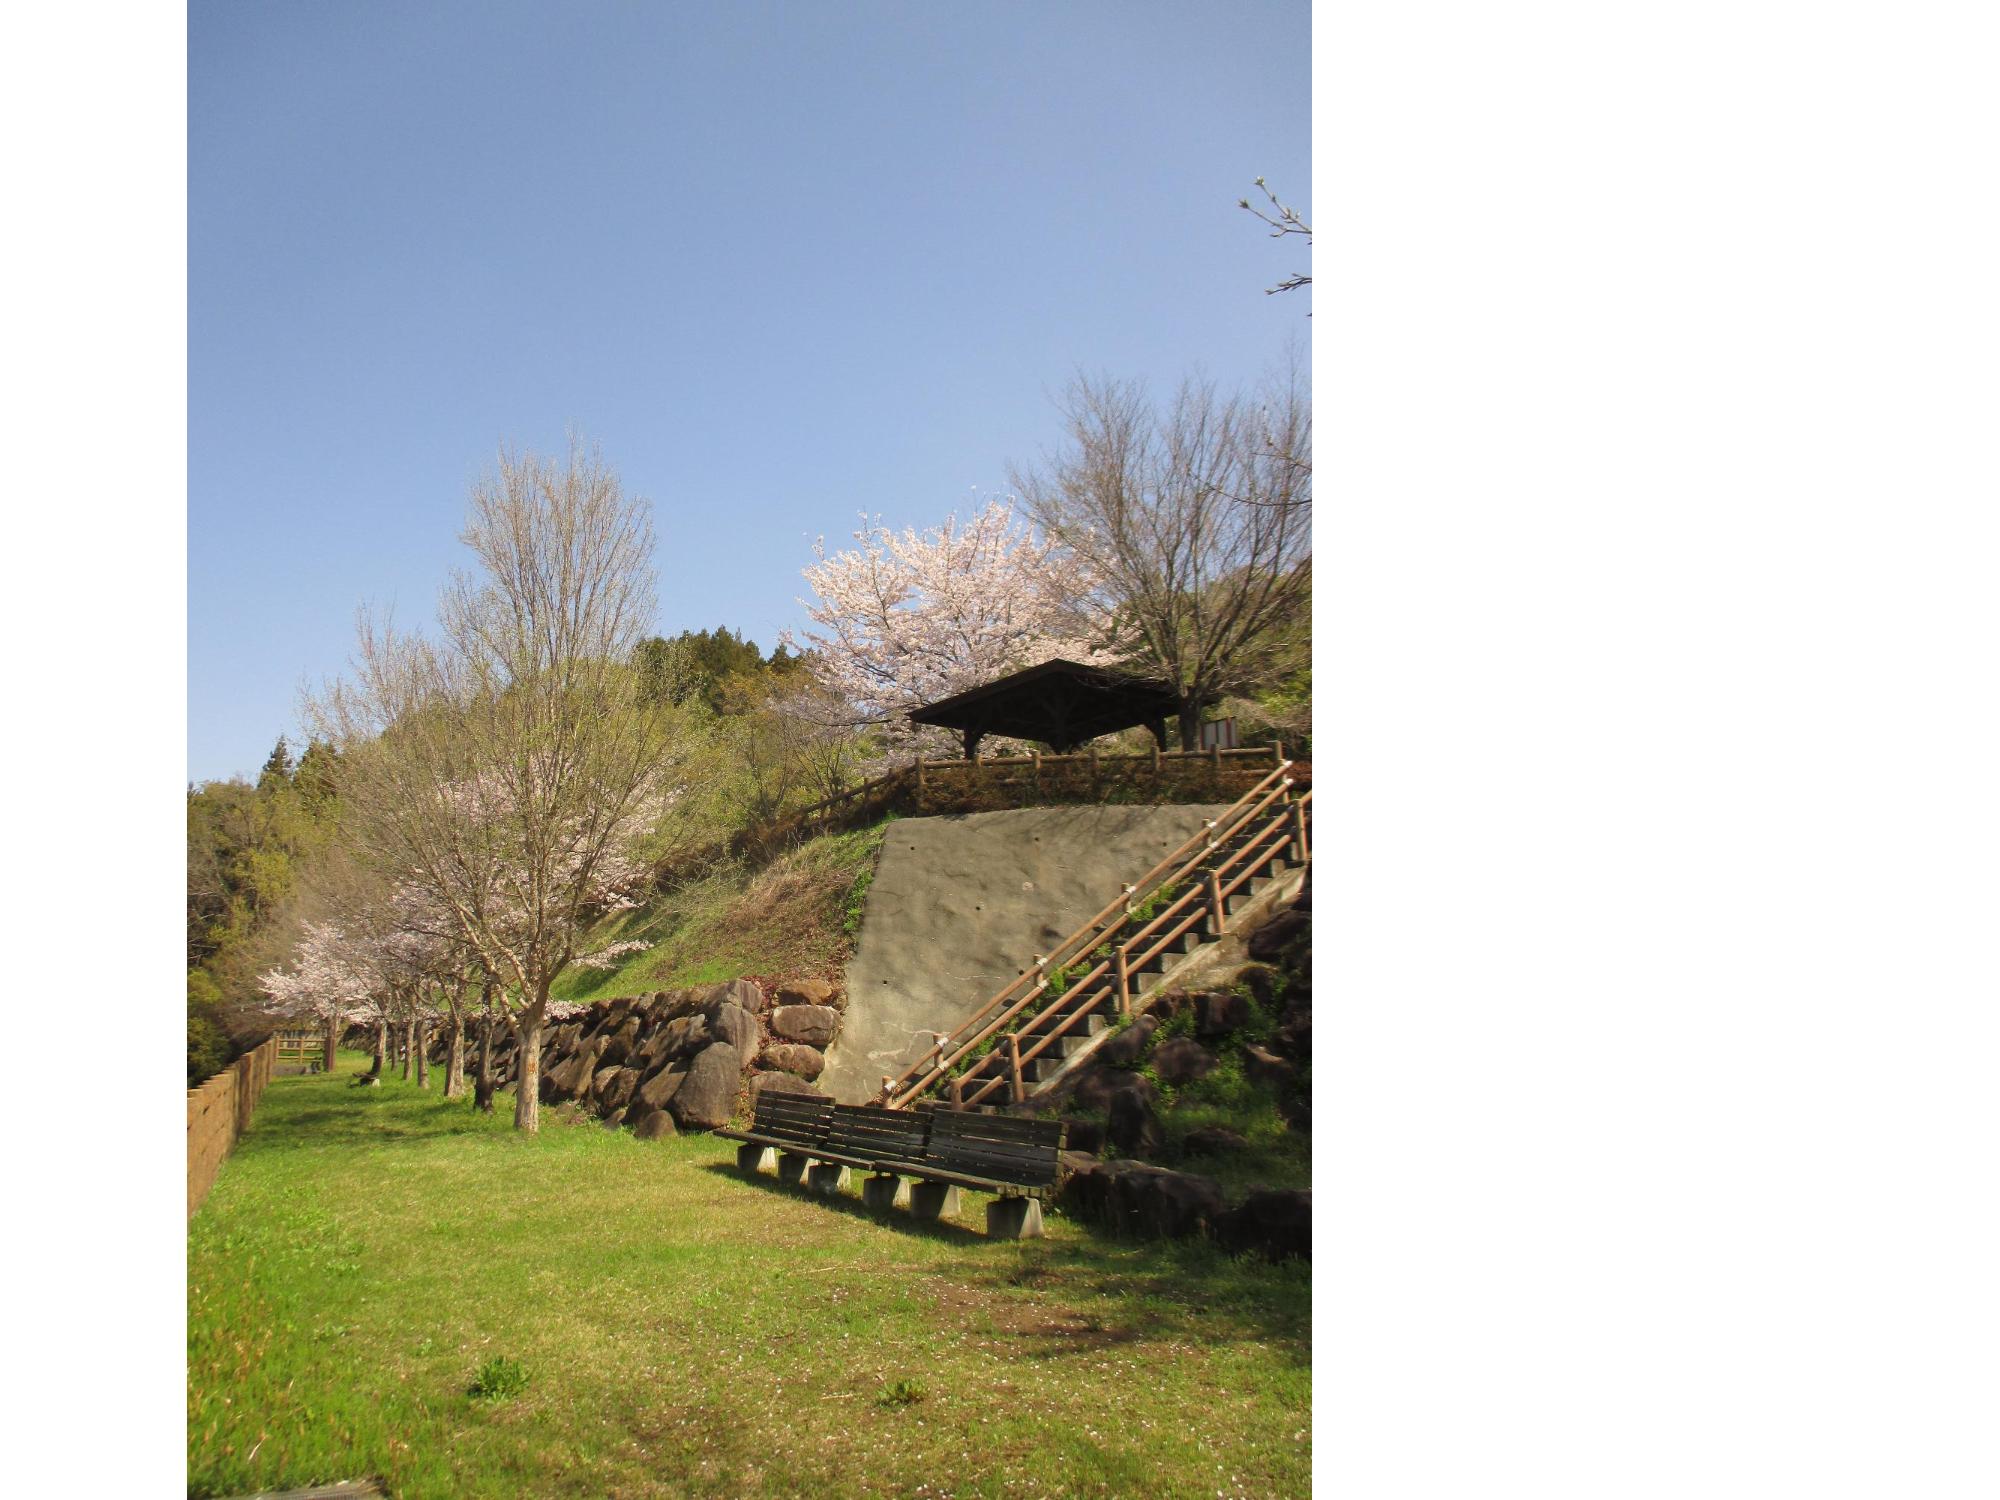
(794, 917)
(642, 1321)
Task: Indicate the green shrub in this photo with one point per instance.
(209, 1051)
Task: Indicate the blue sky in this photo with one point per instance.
(784, 262)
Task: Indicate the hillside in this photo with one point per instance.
(794, 916)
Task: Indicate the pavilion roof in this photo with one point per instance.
(1059, 703)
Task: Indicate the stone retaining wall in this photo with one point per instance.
(676, 1060)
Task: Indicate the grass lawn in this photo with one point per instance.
(685, 1331)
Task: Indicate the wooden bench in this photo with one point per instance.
(941, 1150)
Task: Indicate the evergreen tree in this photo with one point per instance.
(278, 768)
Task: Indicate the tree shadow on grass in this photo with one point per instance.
(371, 1121)
(899, 1220)
(1187, 1291)
(1116, 1291)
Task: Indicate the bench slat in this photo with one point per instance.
(997, 1127)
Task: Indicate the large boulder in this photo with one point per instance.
(1266, 1067)
(1133, 1126)
(815, 1025)
(805, 992)
(613, 1087)
(682, 1037)
(784, 1083)
(731, 1023)
(1219, 1012)
(620, 1043)
(1083, 1135)
(1153, 1201)
(1261, 980)
(793, 1057)
(658, 1091)
(707, 1098)
(1294, 1036)
(1182, 1060)
(1084, 1186)
(1125, 1047)
(570, 1078)
(654, 1124)
(1212, 1140)
(1096, 1086)
(1137, 1198)
(1269, 941)
(1276, 1222)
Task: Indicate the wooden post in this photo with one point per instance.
(1124, 980)
(1156, 760)
(1218, 918)
(957, 1091)
(1014, 1066)
(920, 778)
(1299, 832)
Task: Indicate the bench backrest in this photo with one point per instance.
(1006, 1148)
(793, 1118)
(884, 1135)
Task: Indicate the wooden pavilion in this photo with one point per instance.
(1060, 704)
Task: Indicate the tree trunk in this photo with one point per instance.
(381, 1048)
(482, 1089)
(409, 1036)
(332, 1041)
(1190, 716)
(421, 1046)
(454, 1067)
(528, 1070)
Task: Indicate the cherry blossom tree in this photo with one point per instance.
(515, 768)
(906, 618)
(327, 982)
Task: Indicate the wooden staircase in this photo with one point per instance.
(1022, 1037)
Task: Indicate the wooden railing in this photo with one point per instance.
(1191, 857)
(929, 786)
(1203, 904)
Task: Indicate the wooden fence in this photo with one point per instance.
(219, 1111)
(928, 787)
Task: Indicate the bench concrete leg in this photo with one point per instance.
(827, 1177)
(885, 1192)
(753, 1159)
(792, 1167)
(934, 1200)
(1014, 1219)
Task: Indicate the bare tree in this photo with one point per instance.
(515, 768)
(1284, 221)
(1197, 520)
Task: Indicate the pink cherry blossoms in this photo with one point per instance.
(910, 617)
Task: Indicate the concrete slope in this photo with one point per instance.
(958, 906)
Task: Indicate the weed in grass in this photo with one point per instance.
(901, 1392)
(499, 1379)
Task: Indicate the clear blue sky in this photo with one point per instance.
(784, 262)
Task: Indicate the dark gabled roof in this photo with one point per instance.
(1059, 703)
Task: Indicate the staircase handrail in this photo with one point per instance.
(1248, 857)
(1272, 785)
